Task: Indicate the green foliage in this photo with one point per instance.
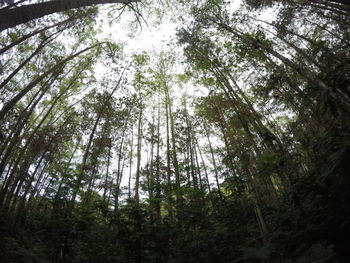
(269, 134)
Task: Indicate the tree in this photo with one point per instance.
(236, 148)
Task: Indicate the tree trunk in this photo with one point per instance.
(212, 157)
(25, 13)
(203, 164)
(130, 163)
(168, 155)
(138, 154)
(174, 154)
(157, 188)
(107, 173)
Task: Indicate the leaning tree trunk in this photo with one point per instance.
(25, 13)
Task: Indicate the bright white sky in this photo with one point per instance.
(150, 38)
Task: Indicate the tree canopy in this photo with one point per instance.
(228, 142)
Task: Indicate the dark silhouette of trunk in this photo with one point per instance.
(25, 13)
(13, 138)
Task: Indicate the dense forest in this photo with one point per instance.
(229, 142)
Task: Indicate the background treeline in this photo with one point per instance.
(236, 149)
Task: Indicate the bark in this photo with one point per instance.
(17, 178)
(336, 7)
(29, 140)
(282, 28)
(37, 189)
(296, 48)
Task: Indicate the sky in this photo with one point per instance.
(148, 38)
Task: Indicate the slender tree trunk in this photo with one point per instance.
(130, 163)
(107, 172)
(212, 157)
(158, 191)
(151, 162)
(120, 155)
(190, 148)
(168, 155)
(138, 155)
(203, 164)
(32, 200)
(174, 150)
